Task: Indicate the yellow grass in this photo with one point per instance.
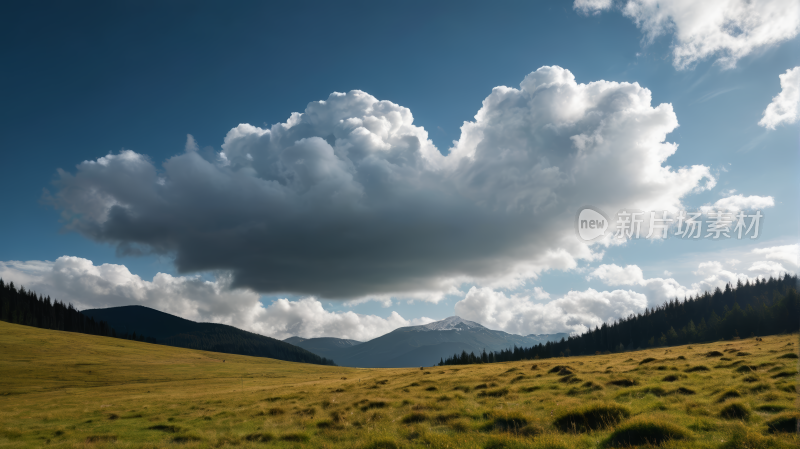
(60, 389)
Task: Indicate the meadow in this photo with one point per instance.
(60, 389)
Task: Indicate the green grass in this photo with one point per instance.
(66, 390)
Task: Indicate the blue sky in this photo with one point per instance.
(82, 82)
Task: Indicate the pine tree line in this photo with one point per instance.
(763, 307)
(20, 306)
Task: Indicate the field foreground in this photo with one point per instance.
(60, 389)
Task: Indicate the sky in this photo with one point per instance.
(346, 168)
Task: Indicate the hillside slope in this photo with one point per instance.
(65, 390)
(175, 331)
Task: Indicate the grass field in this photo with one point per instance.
(60, 389)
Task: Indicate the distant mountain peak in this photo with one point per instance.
(451, 323)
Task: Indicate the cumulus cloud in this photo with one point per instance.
(736, 203)
(657, 290)
(780, 260)
(350, 199)
(574, 312)
(592, 6)
(724, 29)
(785, 107)
(85, 285)
(307, 317)
(785, 253)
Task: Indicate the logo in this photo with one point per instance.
(591, 223)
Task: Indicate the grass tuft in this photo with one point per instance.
(496, 393)
(645, 432)
(624, 382)
(786, 422)
(260, 437)
(414, 417)
(591, 417)
(729, 395)
(735, 410)
(697, 368)
(790, 355)
(647, 360)
(381, 444)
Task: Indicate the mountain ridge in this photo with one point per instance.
(172, 330)
(421, 345)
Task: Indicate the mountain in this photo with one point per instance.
(332, 348)
(175, 331)
(423, 345)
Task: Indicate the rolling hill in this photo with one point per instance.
(175, 331)
(66, 390)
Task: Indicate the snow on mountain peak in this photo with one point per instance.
(451, 323)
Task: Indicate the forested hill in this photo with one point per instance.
(175, 331)
(21, 306)
(764, 307)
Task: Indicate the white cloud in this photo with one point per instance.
(657, 290)
(785, 107)
(786, 253)
(724, 29)
(306, 317)
(78, 281)
(350, 199)
(735, 203)
(573, 312)
(768, 268)
(616, 275)
(591, 6)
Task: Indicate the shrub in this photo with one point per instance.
(431, 388)
(750, 379)
(736, 410)
(788, 422)
(670, 378)
(464, 388)
(276, 411)
(481, 387)
(784, 374)
(790, 355)
(647, 360)
(684, 391)
(645, 432)
(714, 354)
(530, 389)
(591, 417)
